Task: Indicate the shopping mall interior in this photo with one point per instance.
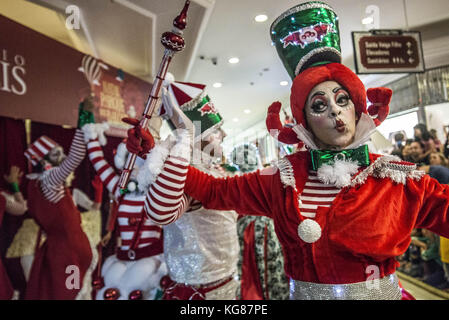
(138, 218)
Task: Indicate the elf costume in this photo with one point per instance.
(201, 248)
(341, 216)
(60, 265)
(135, 270)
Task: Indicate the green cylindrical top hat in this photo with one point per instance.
(306, 35)
(193, 100)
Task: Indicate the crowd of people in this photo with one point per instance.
(427, 258)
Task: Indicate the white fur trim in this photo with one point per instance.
(338, 174)
(182, 148)
(120, 156)
(156, 158)
(154, 163)
(94, 131)
(309, 231)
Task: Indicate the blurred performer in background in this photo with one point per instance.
(61, 263)
(12, 203)
(201, 248)
(134, 272)
(261, 262)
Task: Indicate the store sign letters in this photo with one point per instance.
(12, 73)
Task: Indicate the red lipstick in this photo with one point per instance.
(340, 126)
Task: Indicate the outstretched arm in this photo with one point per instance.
(57, 176)
(167, 197)
(434, 209)
(15, 204)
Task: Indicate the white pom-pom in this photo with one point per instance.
(169, 78)
(309, 231)
(339, 173)
(132, 186)
(154, 163)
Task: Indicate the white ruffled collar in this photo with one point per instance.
(340, 172)
(364, 129)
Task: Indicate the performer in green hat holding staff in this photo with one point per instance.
(201, 248)
(341, 213)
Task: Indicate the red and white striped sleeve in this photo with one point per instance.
(165, 201)
(57, 176)
(107, 174)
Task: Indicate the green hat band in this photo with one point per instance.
(306, 34)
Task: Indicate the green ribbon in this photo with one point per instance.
(359, 155)
(84, 116)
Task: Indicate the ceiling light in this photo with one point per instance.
(217, 85)
(283, 83)
(235, 120)
(234, 60)
(247, 111)
(261, 18)
(368, 20)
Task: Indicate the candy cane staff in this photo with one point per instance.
(341, 213)
(60, 265)
(135, 270)
(11, 202)
(201, 247)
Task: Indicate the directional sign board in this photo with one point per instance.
(388, 51)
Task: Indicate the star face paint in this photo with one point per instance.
(330, 115)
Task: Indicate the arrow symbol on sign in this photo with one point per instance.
(410, 52)
(411, 60)
(409, 44)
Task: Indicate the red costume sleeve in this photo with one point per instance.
(247, 194)
(434, 212)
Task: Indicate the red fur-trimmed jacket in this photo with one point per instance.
(369, 223)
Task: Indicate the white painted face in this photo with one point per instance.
(330, 115)
(56, 156)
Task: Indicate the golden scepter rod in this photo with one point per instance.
(173, 42)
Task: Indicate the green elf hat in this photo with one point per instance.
(307, 35)
(192, 99)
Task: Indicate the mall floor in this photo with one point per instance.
(421, 292)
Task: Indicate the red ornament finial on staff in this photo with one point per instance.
(173, 42)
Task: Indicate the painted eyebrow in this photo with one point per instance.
(335, 90)
(318, 93)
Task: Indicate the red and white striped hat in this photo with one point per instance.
(39, 148)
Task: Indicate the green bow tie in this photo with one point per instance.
(320, 157)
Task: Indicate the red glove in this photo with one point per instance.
(140, 141)
(380, 99)
(98, 187)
